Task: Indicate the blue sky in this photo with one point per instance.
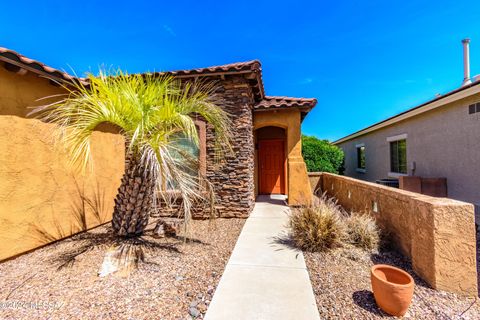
(362, 60)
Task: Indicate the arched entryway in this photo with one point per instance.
(271, 160)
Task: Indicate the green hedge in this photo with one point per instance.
(321, 155)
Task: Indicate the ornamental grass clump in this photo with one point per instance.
(318, 227)
(326, 225)
(362, 231)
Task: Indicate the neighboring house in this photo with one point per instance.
(439, 138)
(35, 183)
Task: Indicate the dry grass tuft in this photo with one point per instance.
(318, 227)
(325, 225)
(363, 231)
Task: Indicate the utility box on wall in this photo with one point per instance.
(435, 187)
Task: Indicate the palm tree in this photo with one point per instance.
(155, 113)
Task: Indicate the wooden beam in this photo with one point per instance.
(22, 71)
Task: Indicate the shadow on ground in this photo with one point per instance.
(284, 239)
(365, 300)
(103, 238)
(272, 199)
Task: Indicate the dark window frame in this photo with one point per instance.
(361, 159)
(471, 109)
(474, 108)
(398, 156)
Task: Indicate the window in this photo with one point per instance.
(398, 156)
(199, 151)
(361, 157)
(473, 108)
(190, 151)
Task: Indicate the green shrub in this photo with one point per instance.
(363, 231)
(318, 227)
(321, 155)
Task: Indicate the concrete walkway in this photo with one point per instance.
(264, 278)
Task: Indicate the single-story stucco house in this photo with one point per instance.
(36, 185)
(437, 139)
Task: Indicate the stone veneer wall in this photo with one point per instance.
(233, 177)
(437, 234)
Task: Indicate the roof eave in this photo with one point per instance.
(447, 98)
(253, 67)
(54, 75)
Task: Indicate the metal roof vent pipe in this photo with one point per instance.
(466, 62)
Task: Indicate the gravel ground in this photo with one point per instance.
(341, 283)
(176, 280)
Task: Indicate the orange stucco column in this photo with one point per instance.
(299, 190)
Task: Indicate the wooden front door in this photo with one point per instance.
(271, 166)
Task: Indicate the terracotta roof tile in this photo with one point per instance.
(252, 70)
(19, 60)
(272, 102)
(248, 66)
(253, 67)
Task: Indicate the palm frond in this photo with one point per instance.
(152, 111)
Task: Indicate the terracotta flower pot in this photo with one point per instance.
(392, 289)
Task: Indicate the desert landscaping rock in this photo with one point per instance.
(202, 307)
(194, 303)
(172, 276)
(341, 283)
(210, 290)
(193, 312)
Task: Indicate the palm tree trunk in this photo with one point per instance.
(134, 200)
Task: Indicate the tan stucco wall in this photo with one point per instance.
(315, 181)
(298, 187)
(38, 189)
(437, 234)
(443, 143)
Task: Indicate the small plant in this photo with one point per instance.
(325, 225)
(318, 227)
(363, 231)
